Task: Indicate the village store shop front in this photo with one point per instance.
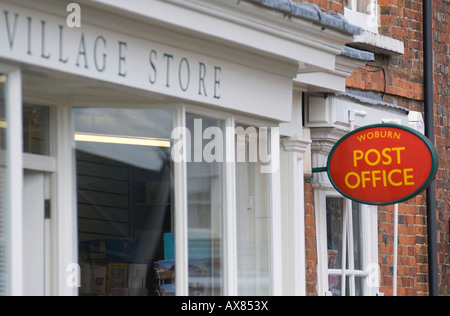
(140, 153)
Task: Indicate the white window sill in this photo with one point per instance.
(379, 44)
(371, 40)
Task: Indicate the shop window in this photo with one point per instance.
(363, 13)
(253, 214)
(130, 185)
(125, 202)
(3, 187)
(205, 185)
(36, 129)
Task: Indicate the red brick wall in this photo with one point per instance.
(403, 20)
(412, 249)
(400, 80)
(442, 120)
(310, 242)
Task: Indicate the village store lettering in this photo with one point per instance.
(380, 164)
(56, 43)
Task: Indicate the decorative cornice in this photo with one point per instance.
(296, 145)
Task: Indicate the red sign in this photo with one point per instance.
(382, 164)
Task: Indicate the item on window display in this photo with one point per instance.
(117, 276)
(99, 278)
(332, 259)
(137, 276)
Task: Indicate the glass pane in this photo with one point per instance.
(253, 214)
(205, 205)
(334, 285)
(3, 187)
(364, 6)
(335, 207)
(359, 286)
(125, 207)
(36, 129)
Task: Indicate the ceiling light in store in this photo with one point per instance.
(122, 140)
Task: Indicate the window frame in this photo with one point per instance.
(14, 177)
(369, 22)
(369, 256)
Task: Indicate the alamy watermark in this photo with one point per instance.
(252, 145)
(74, 18)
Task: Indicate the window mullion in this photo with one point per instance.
(344, 248)
(15, 177)
(230, 228)
(275, 211)
(181, 216)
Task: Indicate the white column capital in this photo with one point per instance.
(297, 145)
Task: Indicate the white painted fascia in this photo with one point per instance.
(260, 30)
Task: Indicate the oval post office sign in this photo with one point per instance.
(382, 164)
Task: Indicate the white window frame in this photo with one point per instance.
(47, 164)
(63, 223)
(15, 264)
(369, 229)
(230, 268)
(368, 22)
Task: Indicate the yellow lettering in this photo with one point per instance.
(395, 184)
(388, 160)
(375, 178)
(399, 150)
(377, 161)
(364, 178)
(408, 177)
(357, 155)
(358, 180)
(384, 178)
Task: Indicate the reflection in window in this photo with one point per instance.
(125, 208)
(253, 214)
(36, 129)
(3, 186)
(363, 6)
(335, 208)
(205, 205)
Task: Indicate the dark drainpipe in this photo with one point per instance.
(429, 132)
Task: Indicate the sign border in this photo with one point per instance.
(428, 143)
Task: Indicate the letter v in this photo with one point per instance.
(12, 36)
